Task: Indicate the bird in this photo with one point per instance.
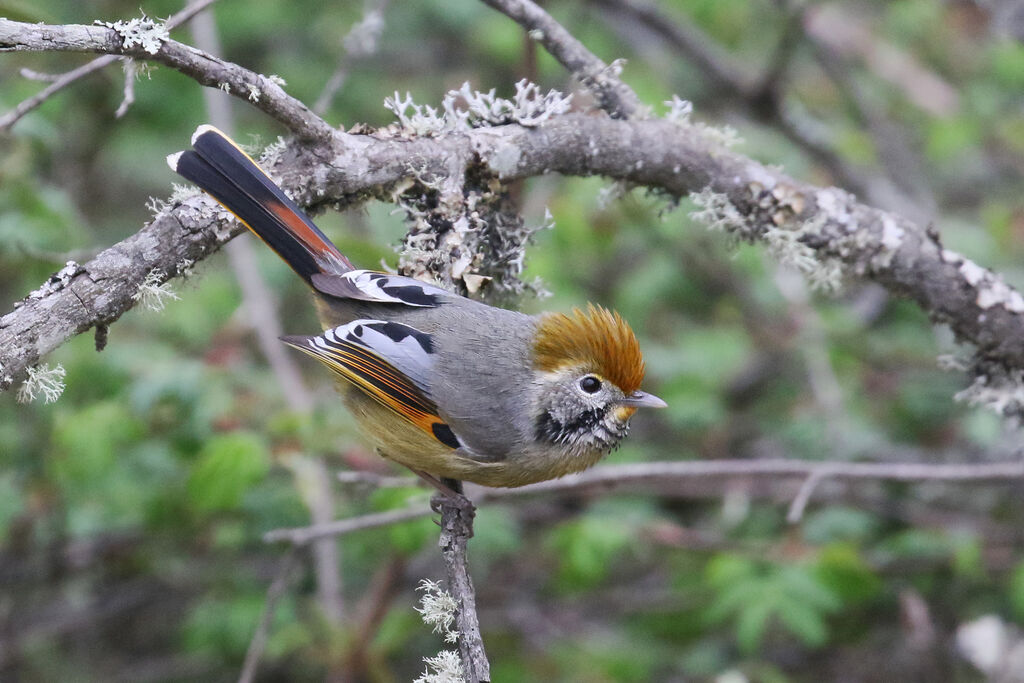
(450, 387)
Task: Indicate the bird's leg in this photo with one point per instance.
(449, 488)
(449, 492)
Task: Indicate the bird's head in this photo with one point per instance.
(588, 368)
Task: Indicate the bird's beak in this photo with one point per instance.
(641, 399)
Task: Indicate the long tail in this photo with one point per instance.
(216, 164)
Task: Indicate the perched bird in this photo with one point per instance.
(447, 386)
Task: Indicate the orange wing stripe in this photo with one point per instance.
(383, 383)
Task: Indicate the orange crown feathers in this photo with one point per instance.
(597, 340)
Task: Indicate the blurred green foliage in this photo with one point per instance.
(132, 510)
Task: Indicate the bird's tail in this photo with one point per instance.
(216, 164)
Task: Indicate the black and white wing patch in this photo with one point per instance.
(370, 285)
(390, 362)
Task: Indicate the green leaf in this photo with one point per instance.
(842, 570)
(1008, 63)
(228, 466)
(223, 627)
(587, 548)
(735, 599)
(751, 625)
(803, 621)
(838, 523)
(949, 137)
(800, 583)
(723, 570)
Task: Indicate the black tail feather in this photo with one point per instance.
(223, 170)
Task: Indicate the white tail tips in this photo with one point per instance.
(205, 128)
(172, 160)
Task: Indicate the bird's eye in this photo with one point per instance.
(590, 384)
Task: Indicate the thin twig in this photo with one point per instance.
(33, 75)
(457, 515)
(663, 478)
(614, 96)
(131, 70)
(370, 612)
(803, 496)
(665, 474)
(813, 346)
(712, 62)
(314, 483)
(259, 640)
(374, 480)
(262, 92)
(360, 41)
(303, 535)
(64, 80)
(762, 94)
(28, 105)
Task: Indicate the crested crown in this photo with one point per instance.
(598, 340)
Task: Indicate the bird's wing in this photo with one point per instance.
(370, 285)
(390, 362)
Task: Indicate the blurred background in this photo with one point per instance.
(132, 510)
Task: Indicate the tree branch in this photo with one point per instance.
(64, 80)
(260, 91)
(274, 593)
(677, 158)
(668, 479)
(305, 535)
(457, 515)
(614, 96)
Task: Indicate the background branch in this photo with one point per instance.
(262, 92)
(614, 96)
(675, 479)
(64, 80)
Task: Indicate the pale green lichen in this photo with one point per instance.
(154, 292)
(446, 667)
(717, 212)
(57, 281)
(680, 112)
(465, 108)
(141, 31)
(992, 290)
(159, 207)
(779, 228)
(999, 390)
(42, 381)
(438, 610)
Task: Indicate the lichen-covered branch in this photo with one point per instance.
(741, 196)
(456, 529)
(147, 40)
(64, 80)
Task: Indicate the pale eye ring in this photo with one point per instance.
(590, 384)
